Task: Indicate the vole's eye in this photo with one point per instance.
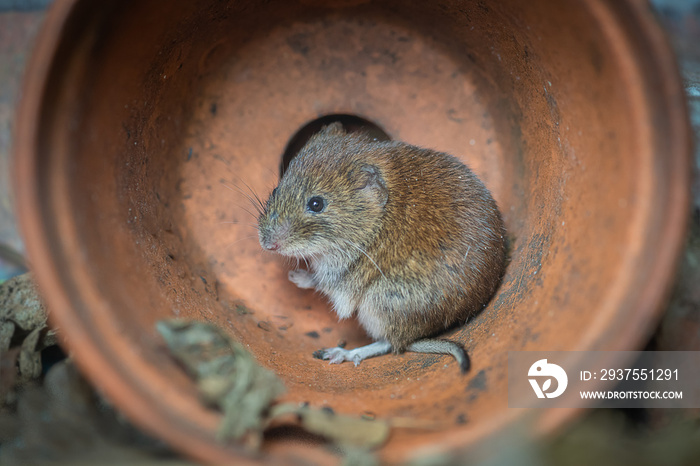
(315, 204)
(274, 192)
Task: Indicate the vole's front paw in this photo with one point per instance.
(338, 355)
(302, 278)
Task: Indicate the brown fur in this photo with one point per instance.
(425, 220)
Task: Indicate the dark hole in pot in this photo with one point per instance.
(351, 123)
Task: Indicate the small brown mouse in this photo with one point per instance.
(407, 239)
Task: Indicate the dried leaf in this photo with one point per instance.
(50, 338)
(340, 429)
(359, 457)
(29, 356)
(345, 429)
(226, 374)
(20, 303)
(21, 315)
(228, 377)
(7, 330)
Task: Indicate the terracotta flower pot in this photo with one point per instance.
(137, 117)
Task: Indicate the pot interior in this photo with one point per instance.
(160, 123)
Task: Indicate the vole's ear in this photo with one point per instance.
(373, 184)
(334, 129)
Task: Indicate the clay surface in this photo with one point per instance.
(137, 119)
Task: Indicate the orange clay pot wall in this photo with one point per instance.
(137, 117)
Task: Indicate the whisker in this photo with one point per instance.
(244, 209)
(365, 253)
(228, 246)
(252, 225)
(343, 253)
(271, 171)
(238, 241)
(260, 203)
(254, 199)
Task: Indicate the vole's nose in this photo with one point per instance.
(269, 242)
(272, 238)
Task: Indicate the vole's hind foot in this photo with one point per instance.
(357, 355)
(338, 355)
(442, 347)
(302, 278)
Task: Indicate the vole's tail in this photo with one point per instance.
(441, 347)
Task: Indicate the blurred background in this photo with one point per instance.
(603, 436)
